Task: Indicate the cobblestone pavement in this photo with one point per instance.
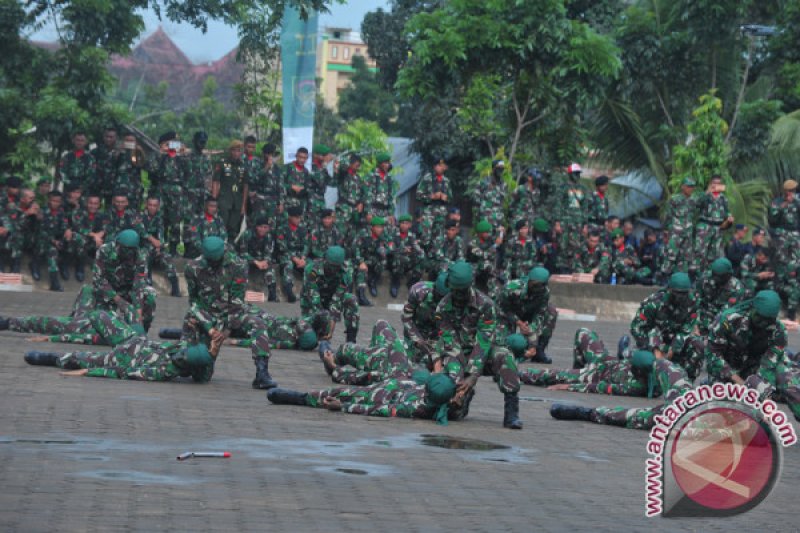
(80, 454)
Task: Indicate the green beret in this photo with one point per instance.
(335, 255)
(421, 376)
(689, 182)
(680, 282)
(722, 266)
(541, 225)
(383, 157)
(405, 218)
(440, 388)
(483, 226)
(307, 340)
(128, 238)
(321, 149)
(459, 275)
(643, 359)
(539, 275)
(139, 329)
(213, 248)
(767, 304)
(440, 286)
(197, 355)
(378, 221)
(617, 233)
(517, 344)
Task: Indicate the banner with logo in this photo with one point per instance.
(299, 60)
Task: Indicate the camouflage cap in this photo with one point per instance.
(539, 275)
(405, 218)
(197, 355)
(680, 281)
(321, 149)
(440, 285)
(517, 344)
(459, 275)
(377, 221)
(689, 182)
(335, 255)
(483, 226)
(213, 248)
(767, 304)
(721, 266)
(541, 225)
(307, 340)
(128, 238)
(383, 157)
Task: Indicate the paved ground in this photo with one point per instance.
(81, 454)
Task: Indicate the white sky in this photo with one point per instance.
(221, 39)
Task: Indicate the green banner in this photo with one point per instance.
(299, 60)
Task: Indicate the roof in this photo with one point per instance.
(407, 163)
(636, 191)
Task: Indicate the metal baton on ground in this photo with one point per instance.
(189, 455)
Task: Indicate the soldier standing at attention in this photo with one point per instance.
(297, 181)
(105, 157)
(229, 187)
(433, 193)
(714, 216)
(199, 173)
(168, 180)
(77, 166)
(381, 188)
(265, 188)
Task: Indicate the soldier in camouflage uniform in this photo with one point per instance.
(105, 157)
(7, 237)
(425, 398)
(319, 180)
(433, 193)
(665, 323)
(420, 330)
(324, 235)
(490, 196)
(482, 255)
(208, 224)
(447, 248)
(77, 166)
(573, 212)
(133, 356)
(716, 291)
(73, 199)
(593, 257)
(520, 252)
(526, 202)
(252, 164)
(546, 246)
(468, 346)
(370, 252)
(229, 187)
(121, 217)
(54, 239)
(88, 232)
(265, 188)
(524, 306)
(292, 242)
(406, 257)
(326, 287)
(26, 217)
(169, 176)
(747, 346)
(759, 270)
(12, 194)
(784, 217)
(131, 161)
(623, 262)
(679, 222)
(216, 284)
(714, 216)
(598, 204)
(380, 190)
(663, 373)
(286, 333)
(154, 243)
(119, 280)
(257, 248)
(350, 185)
(199, 170)
(297, 182)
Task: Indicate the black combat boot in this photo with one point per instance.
(541, 356)
(176, 288)
(289, 291)
(395, 286)
(42, 358)
(15, 266)
(272, 294)
(55, 284)
(170, 333)
(286, 397)
(791, 314)
(263, 380)
(511, 411)
(372, 282)
(362, 298)
(63, 269)
(622, 346)
(3, 323)
(350, 334)
(80, 274)
(2, 264)
(34, 266)
(565, 411)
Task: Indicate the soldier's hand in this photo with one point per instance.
(560, 386)
(736, 378)
(3, 231)
(332, 404)
(41, 338)
(68, 235)
(530, 353)
(74, 373)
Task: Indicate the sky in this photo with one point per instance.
(221, 39)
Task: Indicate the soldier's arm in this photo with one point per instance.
(77, 338)
(104, 372)
(151, 372)
(719, 342)
(410, 329)
(100, 281)
(140, 280)
(484, 339)
(640, 326)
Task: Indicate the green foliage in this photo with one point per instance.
(364, 138)
(327, 123)
(751, 135)
(365, 99)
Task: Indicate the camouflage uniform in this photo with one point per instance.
(758, 356)
(406, 256)
(292, 241)
(679, 222)
(712, 299)
(573, 214)
(323, 292)
(516, 303)
(232, 178)
(254, 248)
(117, 221)
(202, 226)
(198, 170)
(712, 213)
(526, 204)
(483, 257)
(435, 211)
(784, 222)
(385, 358)
(597, 212)
(296, 176)
(113, 275)
(76, 168)
(373, 251)
(520, 255)
(284, 332)
(390, 398)
(319, 179)
(8, 241)
(154, 227)
(169, 176)
(380, 195)
(51, 242)
(624, 262)
(419, 325)
(82, 224)
(352, 191)
(444, 252)
(587, 259)
(265, 187)
(106, 163)
(321, 239)
(660, 324)
(128, 176)
(489, 199)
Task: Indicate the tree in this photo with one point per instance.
(365, 99)
(364, 138)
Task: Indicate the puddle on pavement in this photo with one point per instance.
(535, 399)
(354, 471)
(460, 443)
(353, 468)
(35, 441)
(137, 478)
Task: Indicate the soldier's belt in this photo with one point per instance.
(711, 222)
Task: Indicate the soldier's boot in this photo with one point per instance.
(286, 397)
(80, 273)
(372, 282)
(2, 263)
(395, 286)
(511, 411)
(63, 269)
(15, 265)
(55, 283)
(272, 293)
(623, 346)
(3, 323)
(541, 356)
(362, 298)
(34, 267)
(564, 411)
(289, 291)
(791, 314)
(350, 334)
(42, 358)
(263, 380)
(176, 288)
(173, 248)
(170, 333)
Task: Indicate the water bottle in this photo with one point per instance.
(614, 278)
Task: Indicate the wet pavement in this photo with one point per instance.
(82, 454)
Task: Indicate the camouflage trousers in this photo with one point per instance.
(142, 299)
(401, 264)
(375, 266)
(386, 357)
(541, 335)
(688, 350)
(572, 242)
(588, 349)
(109, 330)
(262, 206)
(82, 246)
(626, 275)
(173, 205)
(434, 216)
(247, 323)
(158, 257)
(267, 275)
(283, 332)
(349, 306)
(348, 220)
(707, 246)
(500, 364)
(52, 252)
(287, 271)
(676, 256)
(50, 325)
(9, 243)
(195, 204)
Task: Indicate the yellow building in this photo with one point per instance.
(335, 61)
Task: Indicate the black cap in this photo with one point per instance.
(268, 149)
(295, 211)
(520, 224)
(51, 194)
(262, 221)
(168, 136)
(453, 209)
(71, 187)
(326, 213)
(601, 180)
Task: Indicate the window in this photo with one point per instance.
(334, 51)
(346, 53)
